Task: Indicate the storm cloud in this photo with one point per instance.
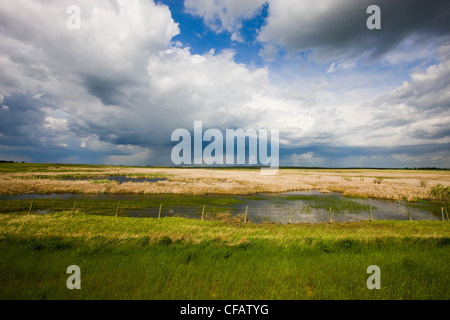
(333, 30)
(114, 90)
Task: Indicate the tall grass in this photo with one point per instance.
(46, 178)
(212, 271)
(440, 193)
(175, 258)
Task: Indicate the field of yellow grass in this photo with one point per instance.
(376, 183)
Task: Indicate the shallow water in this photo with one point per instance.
(307, 206)
(277, 211)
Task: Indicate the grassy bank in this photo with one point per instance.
(176, 258)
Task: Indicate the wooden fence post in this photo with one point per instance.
(331, 218)
(409, 213)
(203, 211)
(289, 215)
(371, 218)
(245, 216)
(159, 212)
(31, 207)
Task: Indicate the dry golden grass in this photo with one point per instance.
(395, 184)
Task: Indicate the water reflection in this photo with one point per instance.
(304, 206)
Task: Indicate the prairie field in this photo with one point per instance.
(172, 258)
(176, 258)
(408, 185)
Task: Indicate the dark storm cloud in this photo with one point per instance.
(435, 132)
(382, 157)
(107, 90)
(21, 123)
(333, 29)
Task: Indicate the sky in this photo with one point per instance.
(113, 90)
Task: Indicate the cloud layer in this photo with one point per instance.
(337, 29)
(114, 90)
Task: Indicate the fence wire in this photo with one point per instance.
(151, 209)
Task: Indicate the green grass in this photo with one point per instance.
(44, 167)
(108, 205)
(428, 205)
(83, 176)
(337, 203)
(175, 258)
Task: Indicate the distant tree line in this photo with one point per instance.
(425, 168)
(6, 161)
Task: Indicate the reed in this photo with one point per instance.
(396, 184)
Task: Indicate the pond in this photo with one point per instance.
(296, 207)
(313, 207)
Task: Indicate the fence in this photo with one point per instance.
(238, 213)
